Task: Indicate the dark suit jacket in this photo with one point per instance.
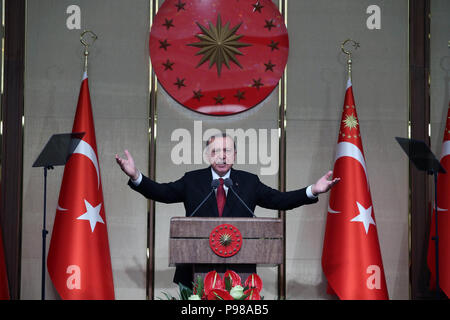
(194, 186)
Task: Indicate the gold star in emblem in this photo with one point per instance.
(350, 121)
(257, 83)
(273, 45)
(168, 23)
(168, 65)
(219, 44)
(180, 5)
(180, 83)
(239, 95)
(269, 24)
(269, 66)
(219, 99)
(164, 44)
(257, 7)
(198, 94)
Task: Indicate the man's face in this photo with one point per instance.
(221, 154)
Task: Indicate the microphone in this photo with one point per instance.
(229, 184)
(214, 184)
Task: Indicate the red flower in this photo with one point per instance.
(214, 288)
(212, 281)
(253, 294)
(234, 277)
(254, 281)
(219, 294)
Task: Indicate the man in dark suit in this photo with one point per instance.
(194, 186)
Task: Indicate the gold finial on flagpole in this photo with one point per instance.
(349, 54)
(86, 45)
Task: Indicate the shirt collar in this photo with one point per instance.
(216, 176)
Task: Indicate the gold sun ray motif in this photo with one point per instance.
(219, 44)
(225, 239)
(350, 121)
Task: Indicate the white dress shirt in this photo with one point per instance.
(216, 176)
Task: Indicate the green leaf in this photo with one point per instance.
(217, 296)
(200, 286)
(185, 292)
(228, 283)
(244, 296)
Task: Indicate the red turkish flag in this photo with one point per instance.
(79, 261)
(443, 195)
(351, 258)
(4, 290)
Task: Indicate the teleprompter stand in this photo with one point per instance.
(424, 160)
(56, 152)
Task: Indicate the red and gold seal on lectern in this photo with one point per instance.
(225, 240)
(219, 57)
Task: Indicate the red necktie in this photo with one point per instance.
(220, 196)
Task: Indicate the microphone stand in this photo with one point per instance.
(229, 184)
(214, 185)
(44, 232)
(434, 172)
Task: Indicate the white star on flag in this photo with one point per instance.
(365, 216)
(92, 214)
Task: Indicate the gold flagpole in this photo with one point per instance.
(349, 54)
(86, 45)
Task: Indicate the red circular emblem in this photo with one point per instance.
(225, 240)
(219, 57)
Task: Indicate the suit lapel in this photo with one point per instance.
(211, 203)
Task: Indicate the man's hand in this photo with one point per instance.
(127, 165)
(324, 184)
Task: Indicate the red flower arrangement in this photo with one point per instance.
(230, 288)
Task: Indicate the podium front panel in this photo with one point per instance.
(262, 241)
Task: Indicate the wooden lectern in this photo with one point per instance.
(262, 242)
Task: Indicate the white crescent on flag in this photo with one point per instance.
(331, 210)
(85, 149)
(347, 149)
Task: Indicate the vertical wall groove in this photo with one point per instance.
(12, 144)
(420, 117)
(282, 92)
(151, 170)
